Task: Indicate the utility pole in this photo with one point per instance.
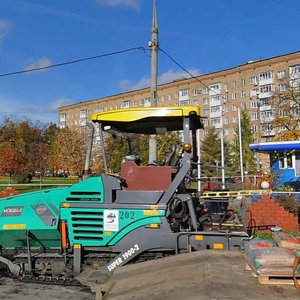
(153, 44)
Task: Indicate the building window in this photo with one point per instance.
(215, 109)
(243, 94)
(266, 88)
(233, 84)
(184, 102)
(243, 81)
(226, 120)
(281, 87)
(233, 95)
(243, 106)
(295, 71)
(254, 116)
(215, 98)
(253, 80)
(183, 93)
(254, 104)
(254, 128)
(126, 104)
(206, 122)
(266, 75)
(146, 102)
(205, 100)
(215, 121)
(281, 74)
(233, 107)
(196, 92)
(83, 113)
(62, 117)
(253, 92)
(234, 119)
(205, 112)
(205, 90)
(267, 114)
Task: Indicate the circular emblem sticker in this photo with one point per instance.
(41, 209)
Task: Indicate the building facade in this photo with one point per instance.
(251, 86)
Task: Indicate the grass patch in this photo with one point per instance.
(37, 185)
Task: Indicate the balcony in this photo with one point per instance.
(216, 114)
(266, 81)
(266, 119)
(262, 95)
(267, 133)
(265, 107)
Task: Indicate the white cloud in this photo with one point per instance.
(20, 109)
(168, 76)
(54, 105)
(43, 62)
(5, 26)
(134, 4)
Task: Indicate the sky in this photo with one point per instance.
(202, 36)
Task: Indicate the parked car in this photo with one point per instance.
(293, 185)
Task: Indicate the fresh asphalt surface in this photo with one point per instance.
(207, 274)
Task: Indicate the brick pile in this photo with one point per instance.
(267, 211)
(9, 191)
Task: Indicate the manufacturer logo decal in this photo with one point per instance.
(111, 220)
(12, 211)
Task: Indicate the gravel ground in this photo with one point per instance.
(16, 290)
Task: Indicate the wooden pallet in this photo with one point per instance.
(272, 279)
(276, 279)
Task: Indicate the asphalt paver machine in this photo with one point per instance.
(88, 230)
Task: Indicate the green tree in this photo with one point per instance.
(249, 161)
(139, 146)
(211, 153)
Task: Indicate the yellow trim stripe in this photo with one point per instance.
(14, 226)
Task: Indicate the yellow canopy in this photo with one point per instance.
(149, 120)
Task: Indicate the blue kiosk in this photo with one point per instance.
(284, 160)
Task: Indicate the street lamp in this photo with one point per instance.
(258, 114)
(222, 143)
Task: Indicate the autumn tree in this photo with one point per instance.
(8, 160)
(286, 105)
(24, 137)
(69, 150)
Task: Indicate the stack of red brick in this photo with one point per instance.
(9, 191)
(266, 212)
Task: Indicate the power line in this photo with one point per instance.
(72, 62)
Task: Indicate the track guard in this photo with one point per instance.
(13, 268)
(102, 275)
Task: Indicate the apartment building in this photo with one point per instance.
(251, 86)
